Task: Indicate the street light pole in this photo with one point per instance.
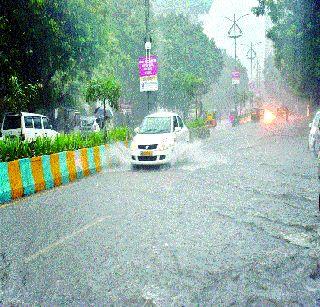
(251, 55)
(148, 41)
(232, 33)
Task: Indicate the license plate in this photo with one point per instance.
(147, 153)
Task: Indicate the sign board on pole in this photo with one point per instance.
(125, 107)
(235, 77)
(148, 73)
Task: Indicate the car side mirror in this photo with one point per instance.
(137, 130)
(177, 129)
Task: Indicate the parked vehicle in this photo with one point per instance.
(314, 135)
(27, 126)
(157, 137)
(88, 124)
(256, 114)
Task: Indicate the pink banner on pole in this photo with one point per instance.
(236, 74)
(148, 66)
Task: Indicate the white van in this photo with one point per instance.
(27, 126)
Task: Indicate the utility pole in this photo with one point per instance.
(259, 77)
(148, 41)
(235, 33)
(251, 55)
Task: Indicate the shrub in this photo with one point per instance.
(14, 148)
(197, 123)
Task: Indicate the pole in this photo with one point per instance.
(148, 39)
(235, 43)
(251, 59)
(148, 101)
(147, 5)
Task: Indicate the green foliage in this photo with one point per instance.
(14, 148)
(221, 96)
(21, 95)
(197, 123)
(103, 89)
(190, 84)
(51, 49)
(296, 37)
(190, 61)
(187, 6)
(60, 44)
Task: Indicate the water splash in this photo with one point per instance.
(195, 155)
(186, 156)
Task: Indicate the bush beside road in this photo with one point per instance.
(14, 148)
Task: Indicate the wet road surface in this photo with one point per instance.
(234, 221)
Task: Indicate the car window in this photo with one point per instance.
(180, 122)
(12, 122)
(46, 124)
(37, 122)
(175, 122)
(154, 125)
(28, 123)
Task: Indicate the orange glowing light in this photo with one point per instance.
(268, 117)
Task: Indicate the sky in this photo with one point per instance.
(216, 26)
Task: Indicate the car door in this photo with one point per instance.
(38, 128)
(28, 128)
(184, 130)
(47, 128)
(178, 134)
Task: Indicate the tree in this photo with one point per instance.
(191, 85)
(185, 54)
(221, 94)
(296, 37)
(104, 89)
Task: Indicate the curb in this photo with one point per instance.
(27, 176)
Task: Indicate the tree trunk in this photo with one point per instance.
(104, 114)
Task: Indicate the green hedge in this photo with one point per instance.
(197, 123)
(14, 148)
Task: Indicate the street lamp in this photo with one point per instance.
(232, 33)
(235, 32)
(251, 55)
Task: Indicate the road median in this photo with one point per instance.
(27, 176)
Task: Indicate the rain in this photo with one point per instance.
(159, 153)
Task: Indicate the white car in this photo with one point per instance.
(27, 126)
(314, 135)
(157, 138)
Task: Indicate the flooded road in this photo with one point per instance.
(234, 221)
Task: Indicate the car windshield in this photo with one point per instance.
(154, 125)
(12, 122)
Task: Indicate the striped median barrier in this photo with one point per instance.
(31, 175)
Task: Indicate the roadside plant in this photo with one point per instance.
(14, 148)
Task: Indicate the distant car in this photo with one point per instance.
(314, 134)
(89, 123)
(157, 137)
(256, 114)
(27, 126)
